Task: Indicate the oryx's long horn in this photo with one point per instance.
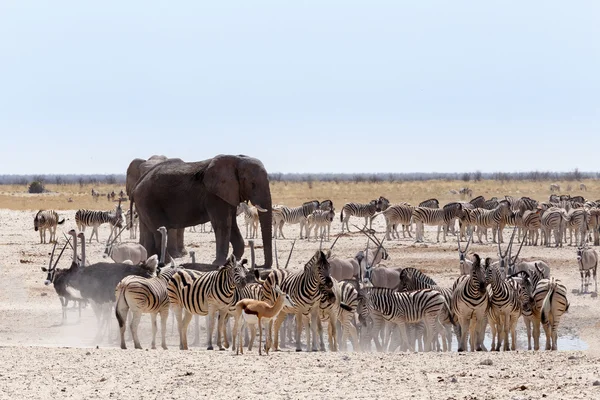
(512, 238)
(290, 255)
(372, 238)
(117, 236)
(469, 241)
(520, 247)
(498, 242)
(61, 253)
(52, 255)
(334, 242)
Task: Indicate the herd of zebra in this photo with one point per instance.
(537, 222)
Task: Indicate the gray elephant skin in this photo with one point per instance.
(177, 194)
(137, 168)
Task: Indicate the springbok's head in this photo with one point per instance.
(287, 302)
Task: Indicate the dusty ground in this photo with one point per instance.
(43, 359)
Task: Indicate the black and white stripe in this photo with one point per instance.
(365, 211)
(143, 296)
(495, 219)
(430, 203)
(394, 216)
(46, 220)
(439, 217)
(320, 220)
(553, 220)
(469, 305)
(550, 297)
(197, 293)
(297, 215)
(85, 218)
(303, 288)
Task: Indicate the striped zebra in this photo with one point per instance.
(594, 224)
(490, 204)
(365, 211)
(495, 219)
(553, 220)
(85, 218)
(504, 308)
(532, 223)
(399, 214)
(47, 220)
(554, 187)
(326, 205)
(197, 293)
(550, 297)
(439, 217)
(142, 295)
(303, 288)
(582, 187)
(523, 204)
(297, 215)
(465, 192)
(430, 203)
(390, 306)
(578, 219)
(338, 304)
(132, 224)
(250, 218)
(413, 279)
(320, 220)
(478, 202)
(466, 221)
(469, 305)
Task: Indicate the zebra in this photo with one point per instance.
(326, 205)
(465, 192)
(594, 224)
(550, 297)
(132, 224)
(490, 204)
(553, 219)
(95, 194)
(469, 305)
(348, 305)
(405, 308)
(145, 296)
(578, 219)
(522, 204)
(466, 222)
(320, 220)
(504, 308)
(394, 216)
(296, 215)
(531, 225)
(582, 187)
(430, 203)
(439, 217)
(250, 218)
(303, 288)
(495, 219)
(85, 218)
(554, 187)
(413, 279)
(478, 202)
(197, 293)
(47, 219)
(587, 259)
(359, 210)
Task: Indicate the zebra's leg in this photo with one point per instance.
(187, 317)
(135, 322)
(212, 314)
(299, 325)
(536, 333)
(513, 331)
(164, 316)
(153, 317)
(528, 322)
(548, 331)
(404, 337)
(332, 331)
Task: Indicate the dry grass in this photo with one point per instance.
(15, 197)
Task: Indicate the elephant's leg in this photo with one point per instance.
(221, 219)
(236, 239)
(147, 239)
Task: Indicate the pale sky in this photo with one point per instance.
(305, 86)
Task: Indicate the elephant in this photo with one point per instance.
(137, 168)
(178, 194)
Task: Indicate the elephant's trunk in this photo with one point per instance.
(266, 228)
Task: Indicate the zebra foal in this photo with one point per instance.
(46, 220)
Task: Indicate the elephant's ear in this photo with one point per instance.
(220, 178)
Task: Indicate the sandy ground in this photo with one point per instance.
(43, 359)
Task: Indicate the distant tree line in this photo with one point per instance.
(69, 179)
(119, 179)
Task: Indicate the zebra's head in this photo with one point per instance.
(236, 271)
(364, 307)
(478, 273)
(319, 265)
(36, 221)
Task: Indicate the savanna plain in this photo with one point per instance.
(42, 358)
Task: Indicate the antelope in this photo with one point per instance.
(255, 311)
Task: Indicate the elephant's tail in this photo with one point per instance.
(130, 225)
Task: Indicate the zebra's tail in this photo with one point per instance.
(448, 310)
(346, 307)
(257, 277)
(547, 304)
(61, 222)
(342, 215)
(120, 293)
